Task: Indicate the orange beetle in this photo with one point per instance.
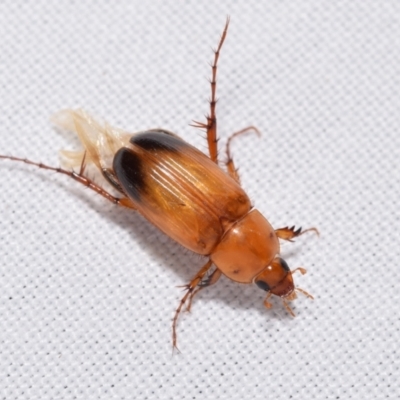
(187, 196)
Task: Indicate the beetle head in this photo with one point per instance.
(277, 279)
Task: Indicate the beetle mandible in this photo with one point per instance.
(187, 196)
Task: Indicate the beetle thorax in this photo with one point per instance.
(247, 248)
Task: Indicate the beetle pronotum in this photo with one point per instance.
(187, 196)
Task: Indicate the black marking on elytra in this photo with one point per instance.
(155, 141)
(128, 169)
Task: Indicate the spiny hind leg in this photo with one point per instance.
(79, 177)
(232, 171)
(289, 234)
(190, 287)
(211, 125)
(208, 281)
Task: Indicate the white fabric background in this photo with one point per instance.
(88, 291)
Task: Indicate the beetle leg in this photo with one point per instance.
(79, 177)
(211, 125)
(109, 175)
(232, 171)
(210, 280)
(303, 271)
(83, 164)
(190, 287)
(290, 233)
(267, 304)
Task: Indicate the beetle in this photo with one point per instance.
(188, 196)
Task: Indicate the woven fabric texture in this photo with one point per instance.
(89, 290)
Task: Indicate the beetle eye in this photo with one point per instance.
(284, 264)
(263, 285)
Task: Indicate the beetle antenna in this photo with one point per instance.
(304, 292)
